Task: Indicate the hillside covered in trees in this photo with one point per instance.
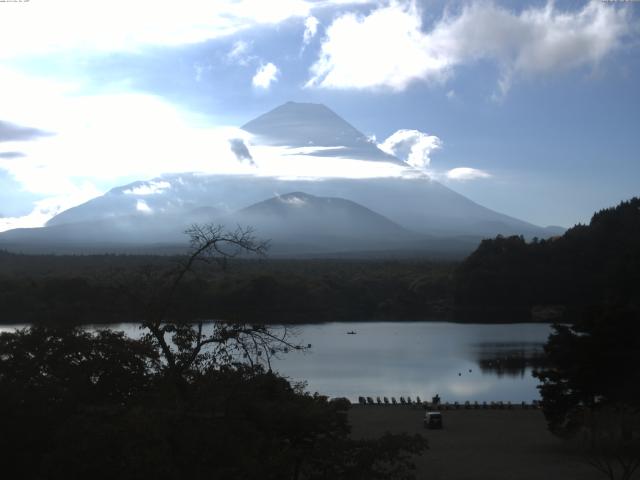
(594, 264)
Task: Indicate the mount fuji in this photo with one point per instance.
(301, 214)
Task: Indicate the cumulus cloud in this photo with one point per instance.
(389, 49)
(385, 48)
(416, 147)
(412, 146)
(466, 173)
(310, 29)
(265, 76)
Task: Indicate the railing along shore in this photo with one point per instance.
(467, 405)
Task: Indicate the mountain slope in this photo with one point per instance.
(109, 233)
(417, 204)
(314, 125)
(325, 223)
(158, 210)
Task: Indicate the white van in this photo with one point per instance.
(432, 420)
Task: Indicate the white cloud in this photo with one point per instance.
(149, 188)
(239, 49)
(105, 140)
(412, 146)
(239, 53)
(383, 49)
(416, 147)
(46, 208)
(292, 200)
(265, 76)
(42, 27)
(143, 207)
(388, 48)
(122, 25)
(310, 29)
(115, 136)
(110, 137)
(300, 162)
(466, 173)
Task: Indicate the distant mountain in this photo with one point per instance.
(417, 204)
(296, 223)
(314, 125)
(323, 224)
(117, 233)
(391, 213)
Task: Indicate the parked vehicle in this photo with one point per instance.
(432, 420)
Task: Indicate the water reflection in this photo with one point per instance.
(512, 359)
(419, 359)
(459, 362)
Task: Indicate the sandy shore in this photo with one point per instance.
(479, 444)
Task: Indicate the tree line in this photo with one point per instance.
(107, 289)
(598, 263)
(590, 381)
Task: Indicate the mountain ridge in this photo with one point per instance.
(315, 125)
(417, 206)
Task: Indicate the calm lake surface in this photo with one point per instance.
(458, 361)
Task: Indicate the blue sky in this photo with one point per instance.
(531, 109)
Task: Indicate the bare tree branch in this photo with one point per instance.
(185, 344)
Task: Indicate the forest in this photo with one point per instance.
(110, 288)
(594, 264)
(505, 279)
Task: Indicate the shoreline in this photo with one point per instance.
(311, 322)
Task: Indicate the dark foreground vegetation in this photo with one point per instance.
(187, 400)
(590, 383)
(100, 406)
(590, 387)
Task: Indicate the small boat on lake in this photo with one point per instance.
(352, 332)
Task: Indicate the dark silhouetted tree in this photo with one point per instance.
(190, 399)
(591, 387)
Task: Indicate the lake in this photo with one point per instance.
(475, 362)
(458, 361)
